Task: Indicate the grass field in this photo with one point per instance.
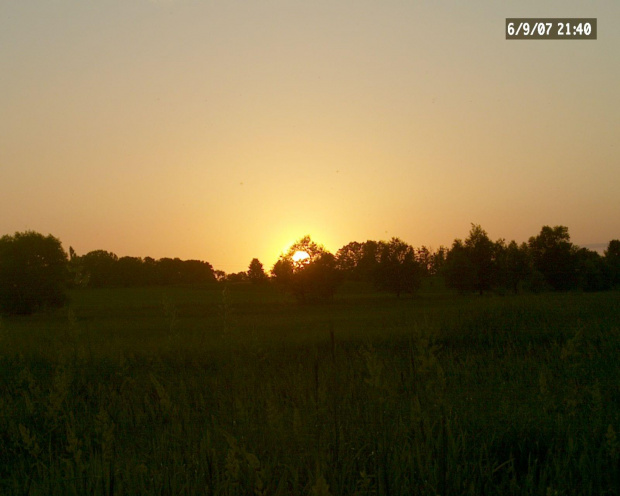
(237, 390)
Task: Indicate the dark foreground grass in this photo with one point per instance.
(240, 391)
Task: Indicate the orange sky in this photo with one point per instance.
(223, 131)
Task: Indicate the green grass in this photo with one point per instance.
(242, 391)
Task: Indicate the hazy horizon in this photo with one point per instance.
(224, 131)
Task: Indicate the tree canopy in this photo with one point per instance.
(100, 268)
(552, 256)
(256, 274)
(33, 272)
(472, 265)
(311, 279)
(397, 270)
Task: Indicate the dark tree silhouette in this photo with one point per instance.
(256, 273)
(552, 255)
(424, 257)
(471, 266)
(283, 271)
(358, 261)
(397, 270)
(481, 251)
(438, 260)
(237, 277)
(348, 258)
(459, 270)
(176, 271)
(99, 268)
(514, 265)
(592, 271)
(33, 272)
(130, 271)
(310, 280)
(612, 258)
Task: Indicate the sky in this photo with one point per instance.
(225, 130)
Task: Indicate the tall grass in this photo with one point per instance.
(241, 392)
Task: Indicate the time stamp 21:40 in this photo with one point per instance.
(521, 28)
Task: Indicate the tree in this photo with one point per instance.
(311, 279)
(33, 272)
(130, 271)
(459, 270)
(516, 265)
(237, 277)
(424, 257)
(176, 271)
(196, 272)
(358, 261)
(256, 273)
(397, 270)
(472, 265)
(438, 260)
(77, 275)
(481, 251)
(99, 268)
(318, 280)
(593, 273)
(612, 258)
(552, 255)
(348, 258)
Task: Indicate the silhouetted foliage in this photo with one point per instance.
(612, 258)
(438, 260)
(397, 270)
(552, 255)
(548, 261)
(77, 273)
(472, 265)
(424, 257)
(481, 251)
(283, 272)
(175, 271)
(593, 273)
(237, 277)
(459, 270)
(311, 280)
(358, 261)
(100, 268)
(514, 265)
(130, 271)
(33, 272)
(348, 258)
(256, 273)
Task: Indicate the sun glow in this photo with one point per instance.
(300, 256)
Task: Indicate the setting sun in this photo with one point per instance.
(300, 256)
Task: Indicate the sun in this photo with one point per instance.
(299, 256)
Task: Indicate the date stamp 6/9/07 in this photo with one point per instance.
(525, 28)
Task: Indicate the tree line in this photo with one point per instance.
(100, 268)
(35, 271)
(547, 261)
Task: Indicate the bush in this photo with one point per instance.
(33, 273)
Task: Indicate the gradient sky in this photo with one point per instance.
(223, 131)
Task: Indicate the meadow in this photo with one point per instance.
(237, 390)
